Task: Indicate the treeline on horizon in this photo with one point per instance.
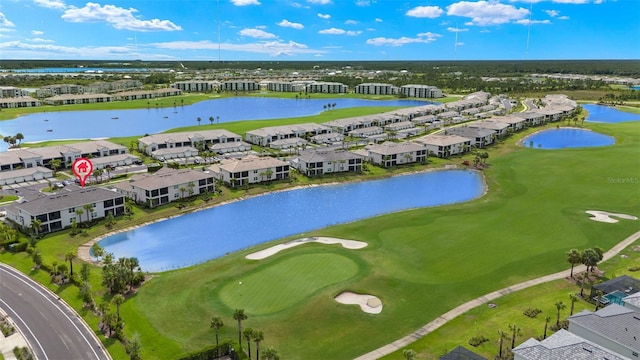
(496, 68)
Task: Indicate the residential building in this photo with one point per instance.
(24, 175)
(240, 85)
(632, 301)
(461, 353)
(69, 99)
(294, 142)
(173, 144)
(320, 162)
(391, 153)
(614, 327)
(376, 89)
(264, 136)
(565, 346)
(345, 125)
(287, 86)
(197, 85)
(328, 138)
(250, 170)
(500, 128)
(327, 88)
(444, 146)
(146, 94)
(366, 132)
(515, 123)
(532, 118)
(421, 91)
(479, 137)
(166, 185)
(59, 89)
(12, 92)
(18, 102)
(58, 211)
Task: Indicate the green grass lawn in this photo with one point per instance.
(421, 263)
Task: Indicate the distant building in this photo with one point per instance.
(421, 91)
(59, 89)
(319, 162)
(240, 85)
(18, 102)
(250, 170)
(12, 92)
(70, 99)
(264, 136)
(327, 88)
(197, 85)
(391, 153)
(376, 89)
(444, 146)
(287, 86)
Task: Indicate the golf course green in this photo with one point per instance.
(420, 263)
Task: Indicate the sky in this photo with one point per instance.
(320, 30)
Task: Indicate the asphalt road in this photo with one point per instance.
(53, 329)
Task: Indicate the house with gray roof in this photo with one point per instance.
(329, 138)
(515, 123)
(191, 139)
(391, 153)
(614, 327)
(532, 118)
(166, 185)
(444, 145)
(498, 127)
(461, 353)
(58, 211)
(345, 125)
(320, 162)
(264, 136)
(563, 345)
(479, 137)
(23, 175)
(250, 170)
(632, 301)
(366, 132)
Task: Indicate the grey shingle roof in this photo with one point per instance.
(67, 199)
(564, 345)
(614, 322)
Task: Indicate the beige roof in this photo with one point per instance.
(166, 177)
(250, 163)
(187, 136)
(390, 148)
(441, 140)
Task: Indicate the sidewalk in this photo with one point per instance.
(7, 344)
(453, 313)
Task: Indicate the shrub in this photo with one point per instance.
(477, 340)
(634, 268)
(532, 313)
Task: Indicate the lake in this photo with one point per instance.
(566, 138)
(204, 235)
(119, 123)
(608, 114)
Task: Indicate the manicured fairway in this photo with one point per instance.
(421, 263)
(275, 287)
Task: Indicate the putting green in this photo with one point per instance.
(280, 285)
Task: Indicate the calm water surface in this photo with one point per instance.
(118, 123)
(601, 113)
(197, 237)
(566, 138)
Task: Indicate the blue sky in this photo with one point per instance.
(296, 30)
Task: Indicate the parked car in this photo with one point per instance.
(58, 185)
(161, 158)
(66, 182)
(137, 162)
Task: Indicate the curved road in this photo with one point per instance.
(53, 330)
(444, 318)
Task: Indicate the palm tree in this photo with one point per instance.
(598, 300)
(117, 300)
(503, 336)
(89, 209)
(69, 257)
(211, 119)
(573, 298)
(248, 335)
(216, 324)
(257, 337)
(409, 354)
(559, 306)
(79, 212)
(582, 277)
(546, 325)
(19, 137)
(515, 331)
(56, 164)
(574, 257)
(36, 226)
(98, 173)
(239, 316)
(182, 191)
(218, 119)
(199, 120)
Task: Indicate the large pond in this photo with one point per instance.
(118, 123)
(566, 138)
(600, 113)
(200, 236)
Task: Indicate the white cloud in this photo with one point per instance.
(37, 32)
(563, 17)
(485, 31)
(298, 5)
(484, 13)
(459, 44)
(51, 4)
(425, 12)
(245, 2)
(573, 1)
(336, 31)
(319, 2)
(18, 49)
(119, 18)
(552, 13)
(532, 22)
(257, 33)
(4, 22)
(363, 3)
(378, 20)
(350, 22)
(273, 48)
(41, 40)
(324, 16)
(453, 29)
(287, 23)
(421, 38)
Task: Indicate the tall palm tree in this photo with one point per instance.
(69, 257)
(79, 212)
(36, 226)
(515, 331)
(88, 208)
(217, 324)
(503, 336)
(211, 119)
(19, 137)
(546, 325)
(574, 257)
(573, 298)
(199, 120)
(559, 306)
(257, 337)
(247, 334)
(117, 300)
(239, 316)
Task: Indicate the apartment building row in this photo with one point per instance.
(185, 144)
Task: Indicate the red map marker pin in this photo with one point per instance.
(82, 168)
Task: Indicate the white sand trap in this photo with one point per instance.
(347, 244)
(368, 303)
(604, 216)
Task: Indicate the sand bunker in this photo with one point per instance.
(604, 216)
(347, 244)
(368, 303)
